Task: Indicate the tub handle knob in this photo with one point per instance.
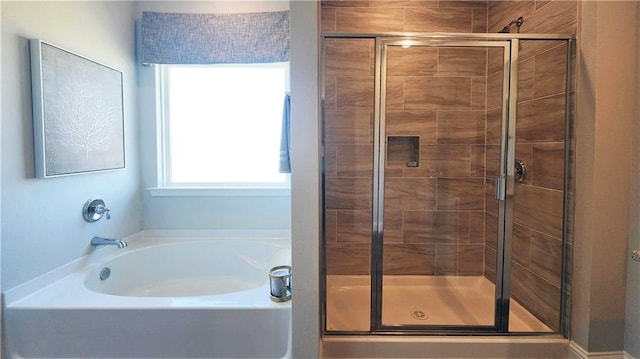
(94, 209)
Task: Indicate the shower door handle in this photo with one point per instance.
(500, 183)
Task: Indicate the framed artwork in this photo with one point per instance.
(78, 113)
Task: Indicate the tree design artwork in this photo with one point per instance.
(83, 114)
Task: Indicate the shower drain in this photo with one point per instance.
(418, 314)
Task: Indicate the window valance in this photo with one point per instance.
(173, 38)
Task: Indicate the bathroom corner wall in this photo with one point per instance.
(632, 323)
(604, 147)
(42, 225)
(199, 212)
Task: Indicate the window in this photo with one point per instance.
(222, 125)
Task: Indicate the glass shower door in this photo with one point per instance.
(441, 135)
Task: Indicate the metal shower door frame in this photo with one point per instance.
(504, 190)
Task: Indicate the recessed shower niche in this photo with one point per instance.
(403, 151)
(426, 228)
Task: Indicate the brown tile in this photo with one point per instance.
(493, 161)
(460, 194)
(491, 231)
(330, 226)
(521, 245)
(348, 258)
(412, 123)
(354, 226)
(503, 12)
(494, 126)
(329, 100)
(395, 93)
(409, 259)
(403, 3)
(445, 160)
(344, 3)
(355, 160)
(478, 93)
(559, 17)
(392, 227)
(541, 120)
(490, 201)
(463, 3)
(461, 127)
(539, 208)
(550, 75)
(369, 19)
(462, 62)
(546, 258)
(480, 20)
(438, 19)
(524, 153)
(525, 79)
(437, 93)
(470, 259)
(412, 61)
(446, 259)
(536, 295)
(490, 264)
(531, 48)
(330, 160)
(495, 60)
(476, 227)
(327, 19)
(494, 91)
(548, 162)
(477, 161)
(348, 193)
(541, 3)
(354, 92)
(349, 57)
(409, 194)
(347, 126)
(435, 226)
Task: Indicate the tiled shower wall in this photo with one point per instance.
(434, 221)
(433, 213)
(536, 267)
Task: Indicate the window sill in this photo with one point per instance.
(217, 192)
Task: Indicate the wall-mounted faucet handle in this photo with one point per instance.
(94, 209)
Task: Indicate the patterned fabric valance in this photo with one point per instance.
(170, 38)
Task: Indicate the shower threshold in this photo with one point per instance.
(421, 300)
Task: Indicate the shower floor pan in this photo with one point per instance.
(421, 300)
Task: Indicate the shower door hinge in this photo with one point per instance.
(500, 185)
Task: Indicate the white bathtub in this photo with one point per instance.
(164, 298)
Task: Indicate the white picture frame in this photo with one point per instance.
(78, 113)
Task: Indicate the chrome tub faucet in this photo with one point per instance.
(99, 241)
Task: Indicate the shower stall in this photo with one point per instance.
(447, 183)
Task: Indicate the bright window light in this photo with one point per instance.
(223, 125)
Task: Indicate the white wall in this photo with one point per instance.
(247, 212)
(42, 226)
(632, 325)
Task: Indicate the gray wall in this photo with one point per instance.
(604, 150)
(204, 212)
(305, 179)
(42, 226)
(632, 326)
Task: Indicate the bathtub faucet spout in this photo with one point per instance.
(99, 241)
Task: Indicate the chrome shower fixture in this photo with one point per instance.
(517, 22)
